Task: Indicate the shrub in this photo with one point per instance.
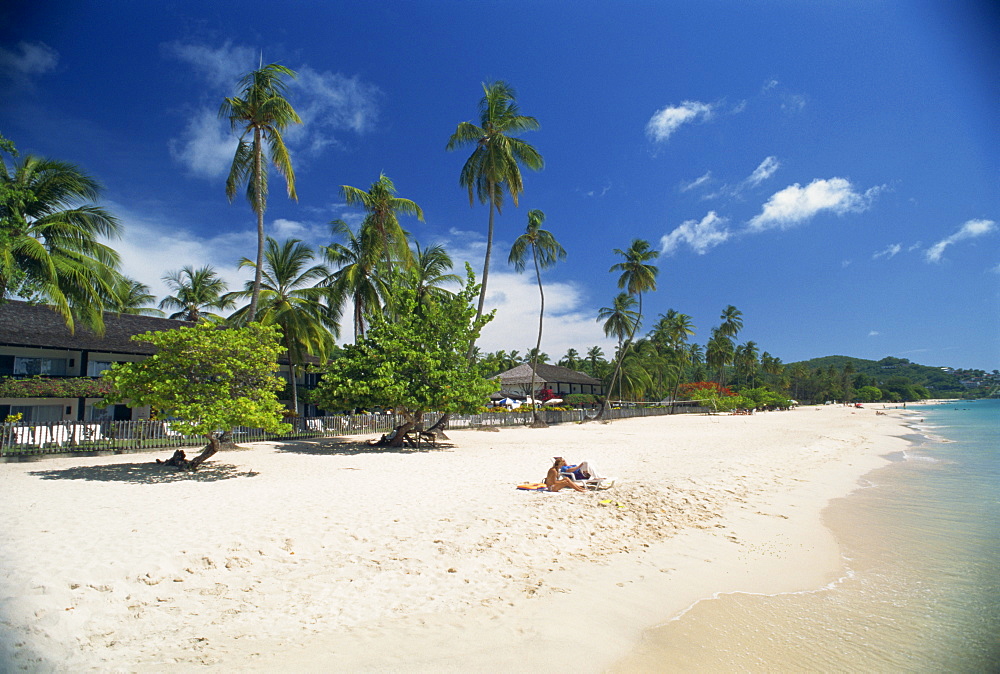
(69, 387)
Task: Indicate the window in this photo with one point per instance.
(38, 414)
(96, 367)
(109, 413)
(41, 366)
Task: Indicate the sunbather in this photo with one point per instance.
(554, 482)
(580, 471)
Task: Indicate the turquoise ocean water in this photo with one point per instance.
(921, 590)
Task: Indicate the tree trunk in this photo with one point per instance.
(537, 422)
(621, 359)
(440, 425)
(291, 380)
(259, 210)
(179, 460)
(486, 271)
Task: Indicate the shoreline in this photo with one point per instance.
(439, 563)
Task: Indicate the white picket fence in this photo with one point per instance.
(19, 439)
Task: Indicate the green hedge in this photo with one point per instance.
(38, 387)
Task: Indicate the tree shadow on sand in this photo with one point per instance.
(145, 473)
(338, 446)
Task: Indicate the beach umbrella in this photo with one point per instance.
(553, 401)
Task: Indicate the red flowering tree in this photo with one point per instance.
(546, 394)
(700, 390)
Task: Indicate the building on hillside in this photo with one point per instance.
(34, 340)
(562, 380)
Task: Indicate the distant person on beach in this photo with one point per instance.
(554, 483)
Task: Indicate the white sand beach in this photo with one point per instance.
(324, 556)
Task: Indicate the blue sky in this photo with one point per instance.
(829, 168)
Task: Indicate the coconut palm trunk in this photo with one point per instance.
(538, 342)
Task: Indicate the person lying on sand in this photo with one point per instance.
(554, 482)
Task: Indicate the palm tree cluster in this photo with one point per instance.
(51, 250)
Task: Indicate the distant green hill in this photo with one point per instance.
(881, 372)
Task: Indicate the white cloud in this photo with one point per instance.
(595, 193)
(970, 230)
(888, 252)
(29, 59)
(765, 170)
(873, 333)
(796, 204)
(569, 322)
(701, 236)
(222, 67)
(309, 232)
(663, 124)
(151, 247)
(697, 182)
(206, 146)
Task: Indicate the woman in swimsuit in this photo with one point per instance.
(554, 483)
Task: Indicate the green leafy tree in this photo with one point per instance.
(260, 115)
(291, 299)
(195, 291)
(494, 167)
(50, 247)
(869, 394)
(383, 208)
(413, 364)
(545, 252)
(206, 380)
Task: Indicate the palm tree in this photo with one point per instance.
(745, 357)
(595, 355)
(620, 321)
(536, 356)
(356, 277)
(719, 353)
(637, 276)
(260, 115)
(194, 291)
(291, 298)
(494, 165)
(672, 330)
(696, 359)
(49, 249)
(382, 206)
(131, 297)
(429, 274)
(545, 251)
(732, 321)
(571, 359)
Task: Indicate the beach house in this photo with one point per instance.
(561, 380)
(35, 342)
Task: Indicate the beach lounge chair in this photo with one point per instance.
(595, 481)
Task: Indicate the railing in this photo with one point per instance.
(28, 439)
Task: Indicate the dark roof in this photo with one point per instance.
(30, 325)
(545, 373)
